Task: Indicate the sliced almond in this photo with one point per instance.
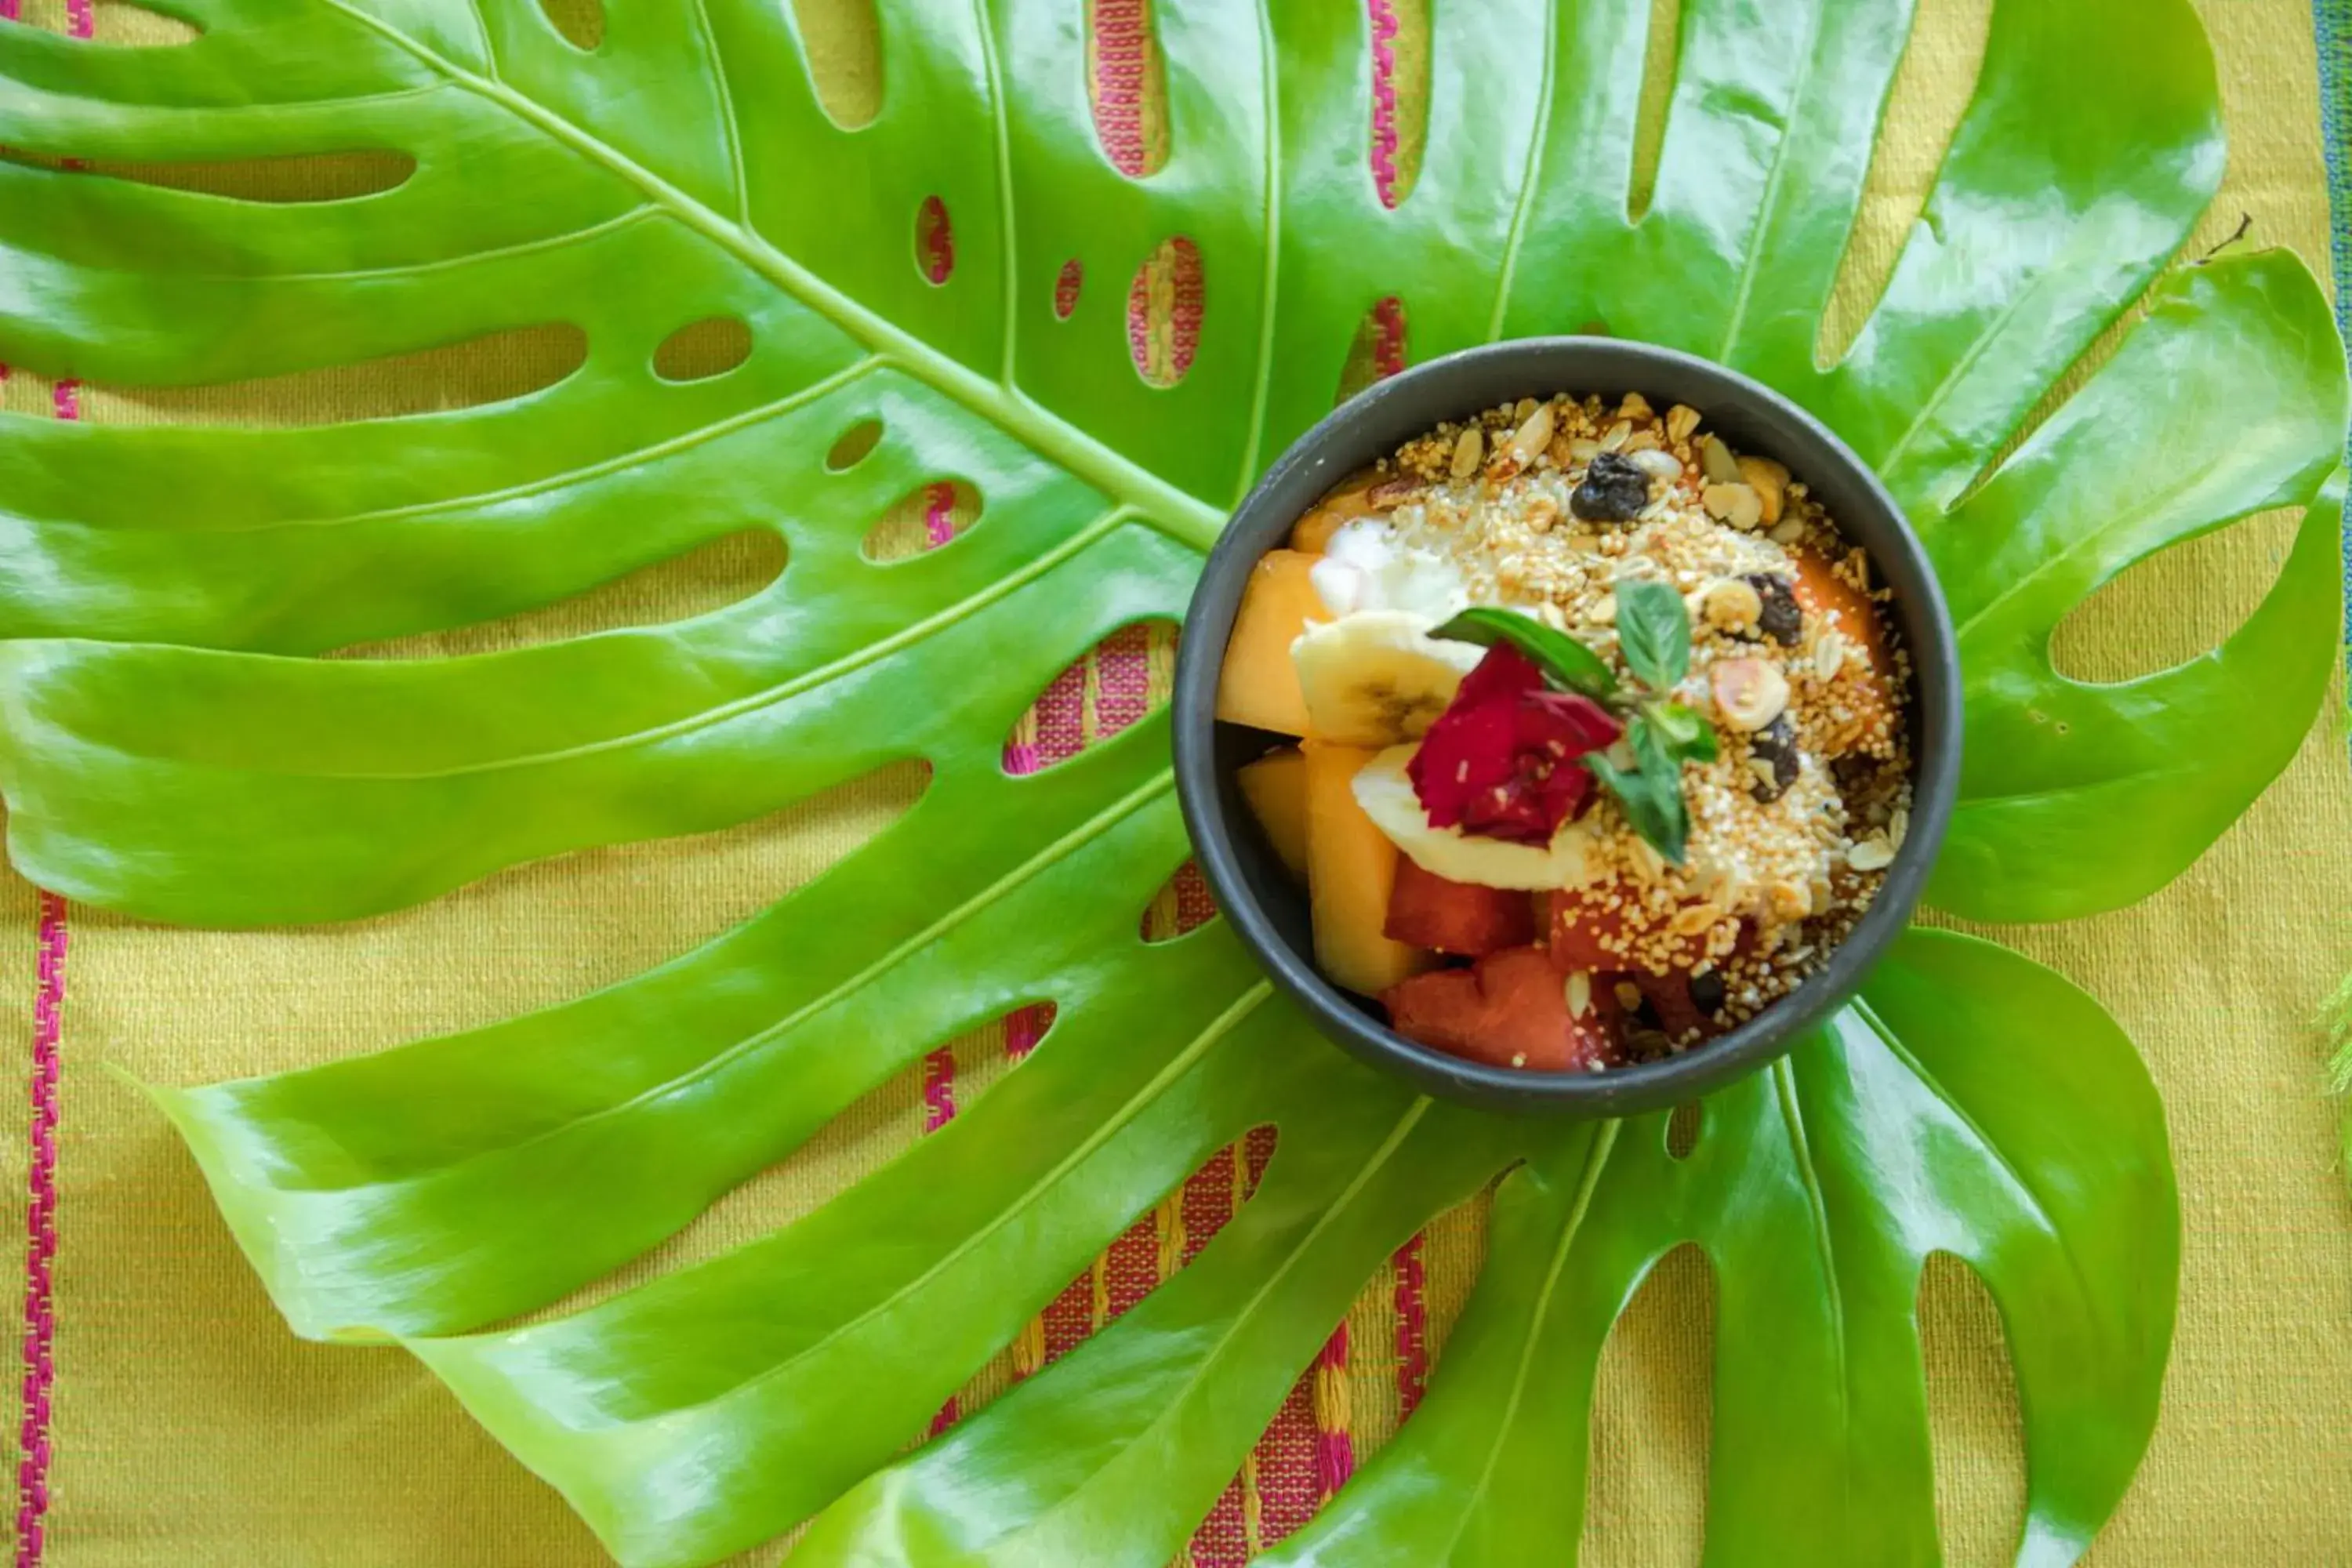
(1578, 992)
(1829, 656)
(1658, 465)
(1769, 480)
(1715, 458)
(1469, 450)
(1681, 420)
(1533, 436)
(1617, 435)
(1873, 854)
(1523, 410)
(1736, 504)
(1635, 406)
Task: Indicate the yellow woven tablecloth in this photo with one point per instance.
(188, 1427)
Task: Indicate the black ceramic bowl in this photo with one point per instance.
(1269, 910)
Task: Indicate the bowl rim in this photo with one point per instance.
(1416, 400)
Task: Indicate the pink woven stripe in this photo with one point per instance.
(1413, 1327)
(1122, 53)
(81, 18)
(1385, 98)
(40, 1240)
(8, 10)
(1335, 1447)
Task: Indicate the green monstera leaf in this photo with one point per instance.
(170, 746)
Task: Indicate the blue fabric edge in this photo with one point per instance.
(2332, 19)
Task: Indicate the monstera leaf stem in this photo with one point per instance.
(1000, 401)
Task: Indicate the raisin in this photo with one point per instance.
(1708, 993)
(1772, 760)
(1615, 490)
(1781, 618)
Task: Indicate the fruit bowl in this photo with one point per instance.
(1266, 905)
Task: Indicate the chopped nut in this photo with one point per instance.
(1735, 504)
(1829, 656)
(1748, 692)
(1391, 493)
(1873, 854)
(1681, 420)
(1468, 452)
(1553, 615)
(1791, 530)
(1534, 435)
(1791, 901)
(1731, 605)
(1769, 480)
(1716, 459)
(1524, 410)
(1604, 610)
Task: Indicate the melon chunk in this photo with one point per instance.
(1829, 598)
(1460, 918)
(1350, 501)
(1511, 1010)
(1351, 870)
(1275, 788)
(1258, 685)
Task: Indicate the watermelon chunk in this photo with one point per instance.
(1509, 1010)
(1427, 910)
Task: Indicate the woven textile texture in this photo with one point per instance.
(169, 1416)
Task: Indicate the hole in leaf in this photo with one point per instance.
(1182, 904)
(1378, 350)
(923, 519)
(919, 1100)
(1124, 677)
(1161, 1242)
(1975, 1431)
(1683, 1130)
(110, 22)
(310, 177)
(1652, 1418)
(1933, 85)
(1127, 84)
(1164, 307)
(2177, 605)
(580, 23)
(1399, 71)
(497, 368)
(1665, 48)
(700, 350)
(844, 43)
(934, 242)
(855, 444)
(701, 582)
(1066, 288)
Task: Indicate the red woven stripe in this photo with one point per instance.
(1122, 53)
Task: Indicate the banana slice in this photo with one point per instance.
(1378, 677)
(1385, 792)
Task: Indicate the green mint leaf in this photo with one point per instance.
(1650, 795)
(1558, 655)
(1653, 631)
(1688, 736)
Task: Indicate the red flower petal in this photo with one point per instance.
(1501, 761)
